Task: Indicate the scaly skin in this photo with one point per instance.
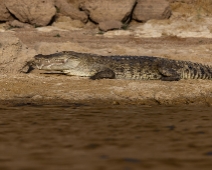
(122, 67)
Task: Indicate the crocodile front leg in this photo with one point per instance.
(169, 71)
(107, 73)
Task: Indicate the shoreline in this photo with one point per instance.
(44, 89)
(198, 101)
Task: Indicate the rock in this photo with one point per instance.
(74, 2)
(151, 9)
(65, 22)
(62, 18)
(110, 25)
(37, 97)
(35, 12)
(101, 11)
(4, 13)
(14, 54)
(68, 9)
(18, 24)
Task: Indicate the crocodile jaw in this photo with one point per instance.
(56, 64)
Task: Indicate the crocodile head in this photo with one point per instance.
(56, 62)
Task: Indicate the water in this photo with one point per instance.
(100, 137)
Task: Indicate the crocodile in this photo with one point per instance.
(122, 67)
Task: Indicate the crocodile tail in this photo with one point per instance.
(192, 70)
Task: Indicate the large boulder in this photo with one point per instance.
(17, 24)
(65, 22)
(35, 12)
(70, 10)
(4, 13)
(14, 54)
(151, 9)
(110, 25)
(100, 11)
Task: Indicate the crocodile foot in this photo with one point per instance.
(107, 73)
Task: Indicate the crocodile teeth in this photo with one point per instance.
(39, 67)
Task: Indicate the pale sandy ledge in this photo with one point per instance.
(34, 89)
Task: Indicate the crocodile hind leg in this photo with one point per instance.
(107, 73)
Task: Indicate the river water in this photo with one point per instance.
(100, 137)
